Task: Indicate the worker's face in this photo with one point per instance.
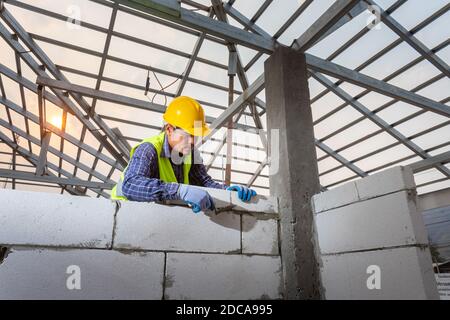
(180, 140)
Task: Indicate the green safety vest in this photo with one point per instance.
(166, 173)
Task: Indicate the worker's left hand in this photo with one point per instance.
(244, 193)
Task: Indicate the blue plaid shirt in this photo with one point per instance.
(142, 183)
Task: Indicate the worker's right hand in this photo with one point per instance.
(199, 199)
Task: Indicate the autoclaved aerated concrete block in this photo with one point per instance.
(38, 218)
(391, 180)
(220, 276)
(259, 236)
(387, 221)
(103, 274)
(384, 182)
(222, 198)
(336, 197)
(258, 204)
(151, 226)
(403, 273)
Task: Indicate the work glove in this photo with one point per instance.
(244, 193)
(197, 198)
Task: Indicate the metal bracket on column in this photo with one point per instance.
(232, 63)
(41, 106)
(170, 7)
(45, 134)
(42, 161)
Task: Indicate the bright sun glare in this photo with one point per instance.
(56, 121)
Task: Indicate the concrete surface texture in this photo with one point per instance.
(369, 240)
(294, 176)
(372, 240)
(65, 247)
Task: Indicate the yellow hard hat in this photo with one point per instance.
(187, 114)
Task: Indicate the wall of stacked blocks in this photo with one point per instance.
(64, 247)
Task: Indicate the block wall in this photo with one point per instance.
(66, 247)
(372, 241)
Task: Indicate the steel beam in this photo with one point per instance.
(389, 47)
(31, 158)
(100, 95)
(322, 146)
(22, 175)
(115, 98)
(376, 119)
(139, 87)
(393, 125)
(377, 85)
(55, 151)
(258, 12)
(122, 35)
(64, 135)
(339, 158)
(354, 12)
(234, 67)
(430, 162)
(33, 87)
(257, 172)
(22, 93)
(326, 21)
(359, 79)
(2, 87)
(42, 160)
(205, 24)
(46, 61)
(37, 69)
(237, 105)
(238, 68)
(191, 62)
(281, 30)
(125, 61)
(367, 91)
(247, 23)
(411, 40)
(390, 163)
(112, 21)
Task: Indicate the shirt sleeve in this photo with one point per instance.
(198, 175)
(141, 182)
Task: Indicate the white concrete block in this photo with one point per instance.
(336, 197)
(103, 274)
(152, 226)
(259, 236)
(258, 204)
(215, 276)
(387, 221)
(222, 198)
(36, 218)
(404, 273)
(387, 181)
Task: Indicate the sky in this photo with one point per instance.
(409, 15)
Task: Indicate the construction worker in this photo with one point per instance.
(155, 171)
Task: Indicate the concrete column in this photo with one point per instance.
(296, 180)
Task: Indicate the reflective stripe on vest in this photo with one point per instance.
(165, 169)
